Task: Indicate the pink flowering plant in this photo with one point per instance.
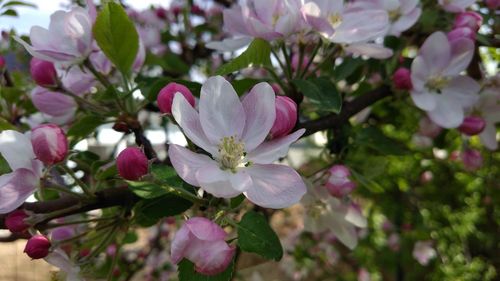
(197, 140)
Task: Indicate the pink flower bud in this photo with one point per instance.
(426, 177)
(37, 247)
(111, 250)
(394, 242)
(468, 19)
(402, 79)
(43, 72)
(472, 125)
(286, 117)
(428, 128)
(472, 159)
(461, 32)
(15, 221)
(49, 143)
(296, 61)
(52, 103)
(132, 164)
(339, 184)
(161, 12)
(2, 62)
(166, 96)
(202, 242)
(493, 4)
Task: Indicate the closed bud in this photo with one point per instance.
(37, 247)
(43, 72)
(339, 184)
(15, 221)
(49, 143)
(402, 79)
(166, 96)
(286, 117)
(461, 32)
(468, 19)
(472, 159)
(132, 164)
(2, 63)
(493, 4)
(472, 125)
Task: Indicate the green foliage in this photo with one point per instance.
(149, 211)
(83, 127)
(321, 92)
(151, 87)
(187, 273)
(258, 53)
(117, 37)
(256, 236)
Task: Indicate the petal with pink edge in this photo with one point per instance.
(15, 188)
(205, 229)
(462, 51)
(180, 243)
(436, 52)
(187, 163)
(270, 151)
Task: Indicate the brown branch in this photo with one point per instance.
(349, 109)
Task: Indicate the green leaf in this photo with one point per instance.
(375, 139)
(258, 53)
(256, 236)
(18, 3)
(347, 68)
(146, 190)
(148, 212)
(5, 125)
(236, 201)
(150, 87)
(84, 127)
(130, 237)
(9, 12)
(369, 184)
(4, 166)
(117, 37)
(321, 92)
(167, 175)
(243, 85)
(187, 273)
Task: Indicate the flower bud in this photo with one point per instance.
(43, 72)
(493, 4)
(15, 221)
(49, 143)
(161, 13)
(286, 117)
(166, 96)
(202, 242)
(472, 125)
(468, 19)
(461, 32)
(393, 242)
(132, 164)
(2, 62)
(402, 79)
(339, 184)
(37, 247)
(472, 159)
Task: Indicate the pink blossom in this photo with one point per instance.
(438, 87)
(423, 252)
(54, 104)
(18, 185)
(492, 4)
(402, 79)
(50, 144)
(468, 19)
(339, 184)
(132, 164)
(461, 32)
(364, 275)
(394, 242)
(37, 247)
(43, 72)
(488, 108)
(68, 38)
(15, 221)
(472, 125)
(77, 81)
(286, 117)
(166, 96)
(472, 159)
(233, 132)
(60, 259)
(202, 242)
(455, 6)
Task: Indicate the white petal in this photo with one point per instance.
(260, 111)
(222, 183)
(436, 52)
(488, 137)
(464, 90)
(230, 44)
(371, 50)
(424, 100)
(405, 22)
(361, 26)
(355, 217)
(221, 112)
(15, 188)
(448, 112)
(187, 163)
(462, 51)
(271, 151)
(189, 120)
(17, 150)
(274, 186)
(419, 74)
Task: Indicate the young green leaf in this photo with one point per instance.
(256, 236)
(258, 53)
(187, 273)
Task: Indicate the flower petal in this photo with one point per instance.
(180, 243)
(360, 26)
(15, 188)
(214, 258)
(230, 44)
(205, 229)
(462, 51)
(187, 163)
(222, 183)
(17, 150)
(488, 136)
(448, 112)
(464, 90)
(221, 112)
(274, 186)
(423, 100)
(259, 106)
(436, 52)
(371, 50)
(271, 151)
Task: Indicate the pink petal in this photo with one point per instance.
(424, 100)
(15, 188)
(436, 52)
(274, 186)
(259, 106)
(187, 163)
(371, 50)
(205, 229)
(271, 151)
(17, 150)
(489, 136)
(215, 258)
(462, 51)
(180, 243)
(360, 26)
(448, 112)
(230, 44)
(233, 21)
(419, 74)
(464, 90)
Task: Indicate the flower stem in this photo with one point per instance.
(84, 187)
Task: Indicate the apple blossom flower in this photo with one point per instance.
(286, 117)
(468, 19)
(393, 242)
(202, 242)
(132, 164)
(472, 125)
(50, 144)
(364, 275)
(339, 184)
(438, 87)
(423, 252)
(68, 38)
(402, 79)
(15, 221)
(37, 247)
(472, 159)
(77, 81)
(324, 212)
(461, 32)
(43, 72)
(455, 6)
(233, 132)
(488, 108)
(54, 104)
(22, 182)
(60, 259)
(166, 96)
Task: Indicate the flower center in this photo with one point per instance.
(335, 20)
(231, 153)
(316, 209)
(394, 15)
(437, 83)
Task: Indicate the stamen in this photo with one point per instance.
(231, 153)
